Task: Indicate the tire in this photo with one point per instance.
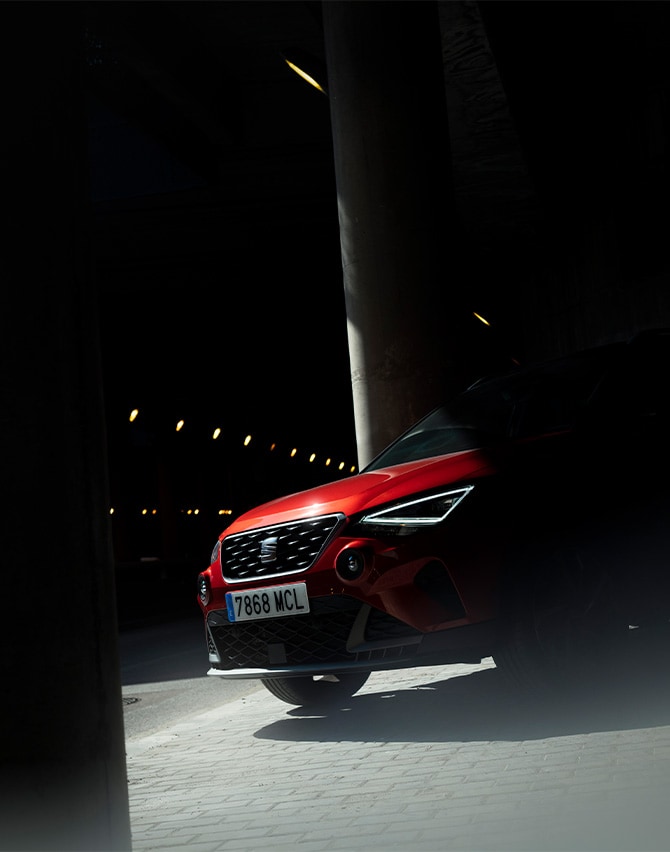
(563, 627)
(315, 691)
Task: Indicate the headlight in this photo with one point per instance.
(410, 515)
(215, 553)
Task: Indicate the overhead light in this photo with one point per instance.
(311, 69)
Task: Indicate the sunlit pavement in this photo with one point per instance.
(424, 759)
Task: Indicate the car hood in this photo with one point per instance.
(367, 490)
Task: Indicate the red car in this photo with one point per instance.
(526, 519)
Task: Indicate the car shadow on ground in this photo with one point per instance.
(481, 706)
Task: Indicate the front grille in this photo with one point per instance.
(318, 637)
(280, 549)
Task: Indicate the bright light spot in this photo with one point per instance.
(481, 318)
(341, 467)
(247, 440)
(272, 447)
(144, 511)
(293, 452)
(312, 457)
(154, 511)
(327, 462)
(304, 75)
(133, 414)
(216, 434)
(189, 511)
(225, 511)
(353, 468)
(180, 425)
(111, 511)
(196, 511)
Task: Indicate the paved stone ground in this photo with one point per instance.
(446, 758)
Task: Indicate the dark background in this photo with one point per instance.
(216, 243)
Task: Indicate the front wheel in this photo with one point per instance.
(320, 690)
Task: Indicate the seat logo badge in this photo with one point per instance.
(269, 549)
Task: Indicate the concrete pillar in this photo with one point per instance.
(63, 779)
(386, 89)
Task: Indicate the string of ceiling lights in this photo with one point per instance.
(293, 452)
(290, 452)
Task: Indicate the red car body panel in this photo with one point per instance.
(367, 490)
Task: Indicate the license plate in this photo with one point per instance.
(272, 602)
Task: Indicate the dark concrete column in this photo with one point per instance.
(62, 760)
(386, 89)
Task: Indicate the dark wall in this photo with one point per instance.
(587, 87)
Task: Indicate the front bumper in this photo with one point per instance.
(339, 634)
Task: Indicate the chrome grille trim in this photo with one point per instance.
(296, 545)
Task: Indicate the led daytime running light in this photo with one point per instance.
(417, 513)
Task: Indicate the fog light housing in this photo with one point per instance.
(350, 564)
(204, 591)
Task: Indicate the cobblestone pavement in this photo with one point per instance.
(447, 758)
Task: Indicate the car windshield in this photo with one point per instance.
(533, 401)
